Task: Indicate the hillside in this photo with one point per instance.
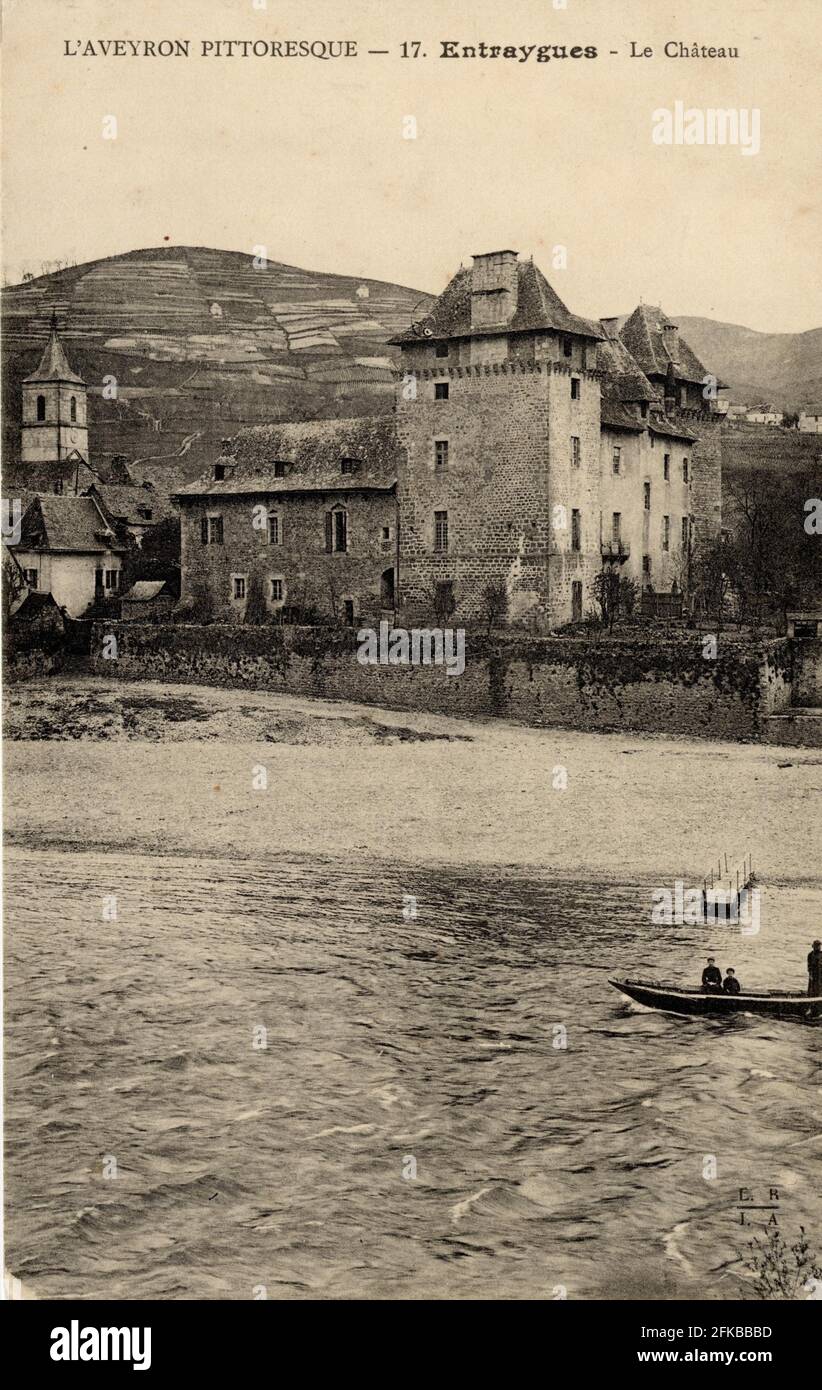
(784, 369)
(202, 343)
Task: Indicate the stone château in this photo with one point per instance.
(528, 448)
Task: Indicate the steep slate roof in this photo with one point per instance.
(122, 501)
(615, 416)
(660, 424)
(54, 365)
(67, 523)
(623, 384)
(314, 450)
(642, 334)
(538, 307)
(625, 377)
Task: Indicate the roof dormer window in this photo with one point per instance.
(219, 472)
(348, 465)
(280, 468)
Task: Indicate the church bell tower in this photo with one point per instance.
(54, 408)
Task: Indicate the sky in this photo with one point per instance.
(307, 157)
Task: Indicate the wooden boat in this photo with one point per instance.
(673, 999)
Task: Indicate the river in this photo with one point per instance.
(265, 1079)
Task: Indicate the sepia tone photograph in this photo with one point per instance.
(412, 655)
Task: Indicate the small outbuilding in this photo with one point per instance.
(147, 601)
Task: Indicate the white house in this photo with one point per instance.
(69, 548)
(810, 420)
(764, 415)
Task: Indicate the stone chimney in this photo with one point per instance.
(494, 282)
(670, 337)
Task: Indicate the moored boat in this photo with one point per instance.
(674, 999)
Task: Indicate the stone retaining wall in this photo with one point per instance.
(667, 687)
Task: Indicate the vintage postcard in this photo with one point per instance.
(412, 633)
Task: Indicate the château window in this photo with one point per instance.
(574, 388)
(683, 396)
(238, 586)
(279, 468)
(442, 350)
(666, 467)
(41, 407)
(349, 465)
(30, 578)
(647, 497)
(575, 454)
(684, 470)
(576, 530)
(440, 454)
(219, 472)
(277, 590)
(336, 531)
(275, 532)
(441, 390)
(684, 533)
(616, 527)
(666, 533)
(567, 347)
(440, 530)
(111, 579)
(617, 458)
(211, 530)
(73, 409)
(643, 409)
(58, 488)
(646, 564)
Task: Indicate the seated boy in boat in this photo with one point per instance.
(730, 985)
(712, 977)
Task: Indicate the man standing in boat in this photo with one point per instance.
(730, 985)
(712, 977)
(815, 969)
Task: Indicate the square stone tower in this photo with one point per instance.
(498, 412)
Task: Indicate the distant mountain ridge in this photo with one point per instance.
(783, 369)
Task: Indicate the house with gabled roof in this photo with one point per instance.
(70, 547)
(810, 420)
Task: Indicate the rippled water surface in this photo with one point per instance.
(390, 1043)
